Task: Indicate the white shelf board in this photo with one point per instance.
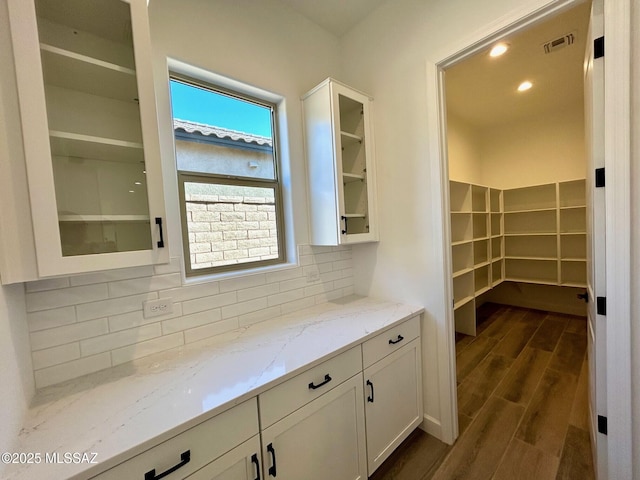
(573, 207)
(574, 284)
(531, 234)
(497, 282)
(464, 271)
(70, 144)
(461, 212)
(480, 239)
(354, 215)
(530, 280)
(481, 264)
(462, 302)
(532, 210)
(74, 71)
(483, 290)
(573, 259)
(512, 257)
(103, 218)
(349, 139)
(461, 242)
(351, 177)
(573, 233)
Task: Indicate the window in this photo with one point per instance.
(230, 199)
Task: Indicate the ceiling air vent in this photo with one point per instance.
(560, 42)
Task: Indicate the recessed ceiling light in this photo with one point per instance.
(131, 191)
(524, 86)
(498, 50)
(137, 183)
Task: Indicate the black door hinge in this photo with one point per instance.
(601, 305)
(599, 177)
(598, 47)
(602, 424)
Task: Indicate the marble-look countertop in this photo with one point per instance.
(123, 411)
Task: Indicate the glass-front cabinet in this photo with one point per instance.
(341, 168)
(90, 133)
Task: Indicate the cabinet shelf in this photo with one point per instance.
(103, 218)
(70, 144)
(461, 242)
(574, 284)
(462, 272)
(462, 302)
(530, 280)
(527, 257)
(513, 212)
(79, 72)
(354, 215)
(483, 290)
(351, 177)
(349, 139)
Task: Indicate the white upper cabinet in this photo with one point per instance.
(90, 135)
(340, 165)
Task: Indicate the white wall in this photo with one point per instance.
(386, 55)
(548, 148)
(260, 43)
(464, 152)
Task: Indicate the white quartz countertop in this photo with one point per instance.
(120, 412)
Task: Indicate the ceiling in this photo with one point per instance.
(482, 90)
(335, 16)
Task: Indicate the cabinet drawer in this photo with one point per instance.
(389, 341)
(204, 442)
(283, 399)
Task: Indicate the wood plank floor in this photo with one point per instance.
(522, 402)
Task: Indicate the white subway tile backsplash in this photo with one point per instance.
(47, 284)
(142, 349)
(105, 343)
(115, 306)
(207, 303)
(243, 282)
(210, 330)
(65, 296)
(190, 321)
(241, 308)
(76, 368)
(112, 275)
(56, 317)
(56, 355)
(69, 333)
(256, 292)
(136, 319)
(134, 286)
(85, 323)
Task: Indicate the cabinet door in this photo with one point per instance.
(354, 165)
(393, 404)
(241, 463)
(90, 133)
(324, 439)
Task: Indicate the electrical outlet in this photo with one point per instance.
(313, 275)
(156, 308)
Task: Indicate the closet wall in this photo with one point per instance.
(532, 151)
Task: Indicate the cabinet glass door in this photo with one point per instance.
(94, 124)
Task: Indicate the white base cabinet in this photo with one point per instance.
(241, 463)
(324, 439)
(393, 391)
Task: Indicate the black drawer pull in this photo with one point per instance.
(272, 468)
(370, 398)
(185, 458)
(327, 379)
(256, 462)
(397, 340)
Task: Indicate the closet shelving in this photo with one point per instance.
(533, 234)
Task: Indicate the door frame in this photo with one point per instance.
(618, 248)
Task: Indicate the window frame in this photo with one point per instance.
(236, 180)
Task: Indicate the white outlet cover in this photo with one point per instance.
(157, 308)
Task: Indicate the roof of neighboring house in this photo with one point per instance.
(222, 133)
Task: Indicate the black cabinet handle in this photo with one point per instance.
(370, 398)
(272, 468)
(185, 458)
(327, 379)
(397, 340)
(256, 462)
(344, 232)
(159, 223)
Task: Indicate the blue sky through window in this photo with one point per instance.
(204, 106)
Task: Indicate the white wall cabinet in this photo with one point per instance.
(393, 390)
(340, 165)
(90, 135)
